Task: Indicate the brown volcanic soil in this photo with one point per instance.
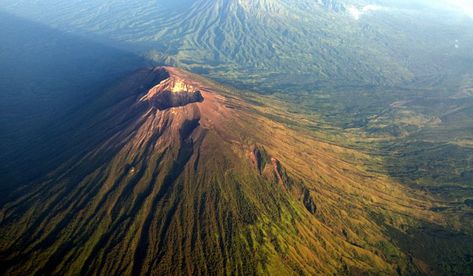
(204, 183)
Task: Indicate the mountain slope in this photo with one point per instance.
(169, 173)
(241, 41)
(265, 45)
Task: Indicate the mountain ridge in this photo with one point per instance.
(205, 187)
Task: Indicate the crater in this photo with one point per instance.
(173, 91)
(168, 99)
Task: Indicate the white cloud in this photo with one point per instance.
(356, 13)
(369, 8)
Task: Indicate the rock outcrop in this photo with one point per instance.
(172, 91)
(272, 170)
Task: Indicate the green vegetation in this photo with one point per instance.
(371, 119)
(149, 192)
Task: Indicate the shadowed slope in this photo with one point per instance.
(45, 74)
(206, 186)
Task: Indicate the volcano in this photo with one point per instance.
(170, 173)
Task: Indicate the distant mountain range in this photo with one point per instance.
(258, 42)
(212, 137)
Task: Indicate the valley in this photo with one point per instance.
(240, 137)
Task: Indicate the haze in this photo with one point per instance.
(236, 137)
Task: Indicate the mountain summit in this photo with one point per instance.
(175, 174)
(172, 91)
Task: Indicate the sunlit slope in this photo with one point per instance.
(208, 185)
